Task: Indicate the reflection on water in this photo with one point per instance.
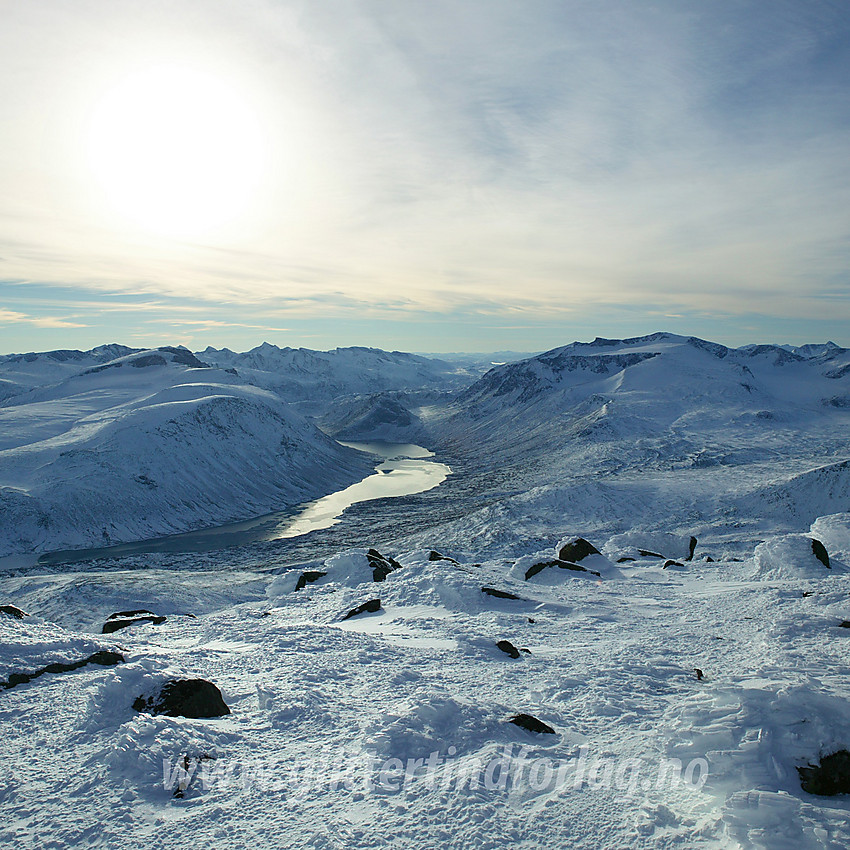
(403, 473)
(405, 470)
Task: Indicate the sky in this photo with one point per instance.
(425, 176)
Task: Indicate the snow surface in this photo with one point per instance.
(631, 444)
(610, 668)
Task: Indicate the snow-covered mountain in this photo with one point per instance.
(392, 417)
(20, 372)
(659, 431)
(151, 443)
(663, 400)
(668, 376)
(301, 374)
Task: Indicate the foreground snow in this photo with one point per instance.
(330, 714)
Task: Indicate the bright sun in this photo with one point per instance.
(176, 151)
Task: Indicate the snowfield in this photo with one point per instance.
(636, 555)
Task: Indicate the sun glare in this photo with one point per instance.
(176, 151)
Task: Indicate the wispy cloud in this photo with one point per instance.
(13, 317)
(467, 159)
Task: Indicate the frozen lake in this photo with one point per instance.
(404, 469)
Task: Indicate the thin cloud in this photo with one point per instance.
(13, 317)
(472, 159)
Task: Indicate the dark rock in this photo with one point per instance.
(645, 553)
(820, 552)
(148, 360)
(436, 556)
(672, 564)
(382, 565)
(844, 624)
(692, 545)
(13, 611)
(829, 778)
(525, 650)
(184, 357)
(111, 625)
(577, 550)
(700, 674)
(104, 658)
(507, 647)
(499, 594)
(370, 607)
(530, 620)
(564, 565)
(625, 559)
(184, 698)
(709, 559)
(532, 724)
(807, 593)
(307, 577)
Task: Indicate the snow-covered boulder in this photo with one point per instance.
(574, 549)
(349, 568)
(544, 568)
(33, 647)
(834, 532)
(637, 545)
(193, 698)
(791, 556)
(13, 611)
(360, 565)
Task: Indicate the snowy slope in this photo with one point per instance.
(683, 695)
(149, 444)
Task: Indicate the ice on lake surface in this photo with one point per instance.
(406, 469)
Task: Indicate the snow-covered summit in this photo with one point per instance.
(21, 372)
(154, 357)
(672, 373)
